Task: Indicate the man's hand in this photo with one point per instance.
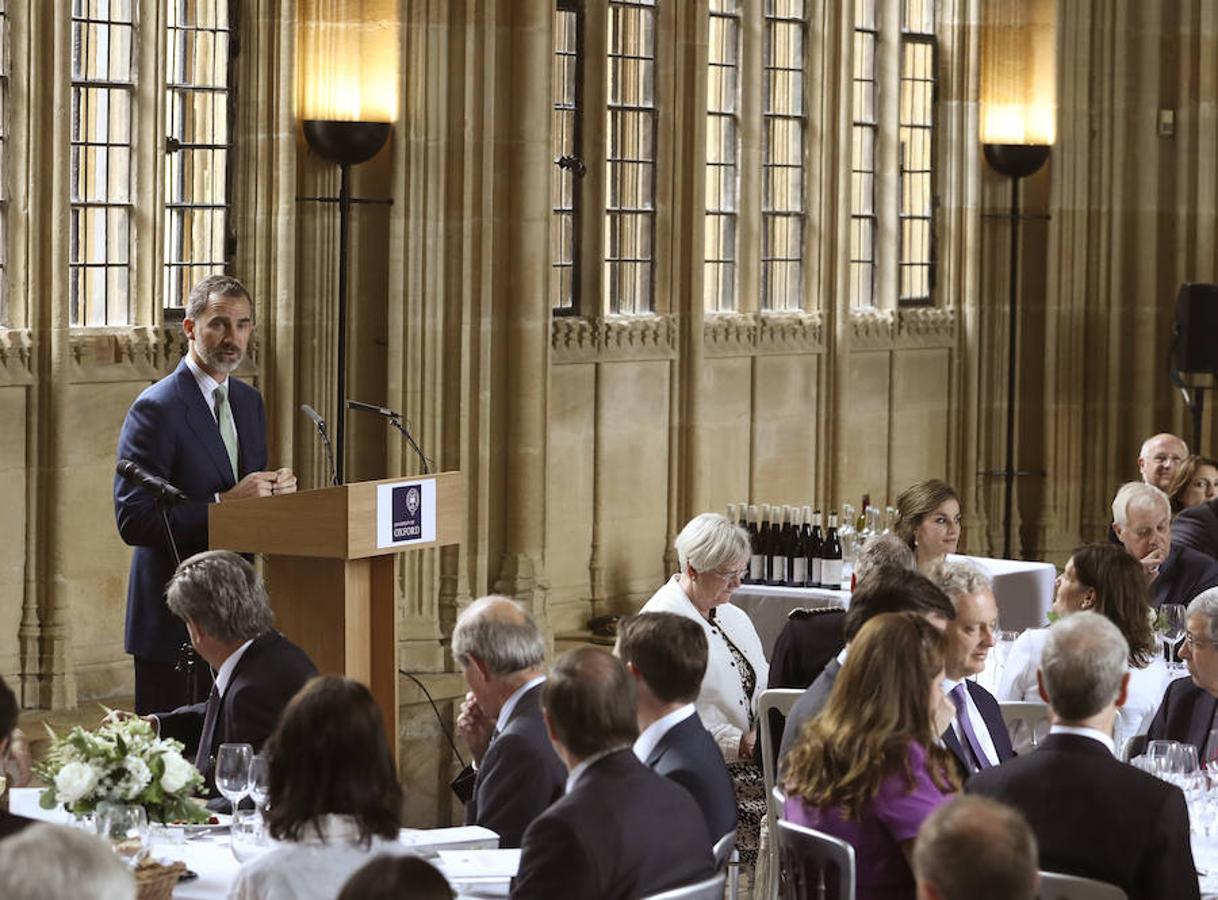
(285, 482)
(1151, 562)
(475, 727)
(748, 741)
(255, 484)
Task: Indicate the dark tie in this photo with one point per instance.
(203, 755)
(972, 745)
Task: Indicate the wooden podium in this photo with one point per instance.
(330, 567)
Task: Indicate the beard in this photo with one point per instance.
(225, 358)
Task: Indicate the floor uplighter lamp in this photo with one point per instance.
(1017, 116)
(347, 74)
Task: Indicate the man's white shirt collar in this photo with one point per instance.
(841, 657)
(1093, 733)
(655, 732)
(509, 705)
(583, 766)
(225, 675)
(207, 384)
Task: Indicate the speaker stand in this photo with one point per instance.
(1194, 399)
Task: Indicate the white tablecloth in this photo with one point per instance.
(211, 855)
(1024, 591)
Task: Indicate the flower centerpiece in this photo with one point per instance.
(123, 761)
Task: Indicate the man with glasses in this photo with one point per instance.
(1190, 704)
(1141, 518)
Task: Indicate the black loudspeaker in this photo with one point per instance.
(1197, 328)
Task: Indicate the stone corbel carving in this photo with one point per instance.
(729, 334)
(926, 326)
(16, 356)
(798, 332)
(574, 339)
(872, 328)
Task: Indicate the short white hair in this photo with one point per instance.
(53, 862)
(960, 579)
(883, 552)
(1158, 437)
(1136, 493)
(1084, 659)
(709, 541)
(1206, 604)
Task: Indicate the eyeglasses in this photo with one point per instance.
(730, 575)
(1193, 642)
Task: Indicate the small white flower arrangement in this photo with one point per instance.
(123, 761)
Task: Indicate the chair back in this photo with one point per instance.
(1135, 746)
(814, 865)
(1026, 714)
(779, 700)
(727, 862)
(1054, 886)
(711, 889)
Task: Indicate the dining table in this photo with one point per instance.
(469, 856)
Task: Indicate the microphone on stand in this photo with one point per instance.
(394, 419)
(158, 487)
(320, 424)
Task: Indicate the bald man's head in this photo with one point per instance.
(501, 633)
(1159, 458)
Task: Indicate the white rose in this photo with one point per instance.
(178, 772)
(138, 776)
(74, 781)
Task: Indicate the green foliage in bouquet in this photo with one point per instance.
(123, 761)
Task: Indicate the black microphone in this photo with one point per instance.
(395, 419)
(320, 423)
(158, 487)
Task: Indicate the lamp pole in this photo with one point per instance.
(348, 144)
(1014, 161)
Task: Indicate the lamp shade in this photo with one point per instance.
(1018, 72)
(347, 54)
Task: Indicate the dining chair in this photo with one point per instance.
(777, 700)
(1055, 886)
(727, 862)
(1135, 746)
(813, 865)
(1030, 713)
(710, 889)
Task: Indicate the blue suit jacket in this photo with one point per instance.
(688, 755)
(991, 714)
(170, 432)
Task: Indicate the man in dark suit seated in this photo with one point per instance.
(666, 654)
(223, 602)
(1190, 706)
(621, 831)
(885, 592)
(9, 823)
(975, 847)
(1141, 518)
(978, 736)
(515, 774)
(1093, 815)
(1197, 528)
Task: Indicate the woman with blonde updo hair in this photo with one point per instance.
(928, 520)
(1195, 481)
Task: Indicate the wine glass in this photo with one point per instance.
(125, 828)
(1158, 757)
(1170, 626)
(233, 773)
(260, 783)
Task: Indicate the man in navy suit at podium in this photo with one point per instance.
(204, 433)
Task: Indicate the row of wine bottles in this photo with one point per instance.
(790, 546)
(790, 549)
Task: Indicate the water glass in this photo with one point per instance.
(1184, 760)
(1169, 624)
(233, 773)
(247, 839)
(125, 828)
(1158, 757)
(260, 780)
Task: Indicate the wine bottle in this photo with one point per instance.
(831, 567)
(779, 533)
(862, 519)
(816, 552)
(805, 538)
(756, 559)
(731, 512)
(766, 536)
(798, 565)
(742, 515)
(890, 516)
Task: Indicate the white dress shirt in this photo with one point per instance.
(654, 733)
(984, 738)
(310, 869)
(207, 384)
(225, 674)
(1092, 733)
(509, 705)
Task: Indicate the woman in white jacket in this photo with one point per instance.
(713, 554)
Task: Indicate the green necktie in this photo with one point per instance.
(228, 428)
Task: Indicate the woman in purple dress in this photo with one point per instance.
(869, 769)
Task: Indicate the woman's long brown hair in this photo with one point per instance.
(880, 704)
(1121, 594)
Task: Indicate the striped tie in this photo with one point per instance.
(228, 428)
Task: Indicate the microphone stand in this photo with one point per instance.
(188, 659)
(396, 422)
